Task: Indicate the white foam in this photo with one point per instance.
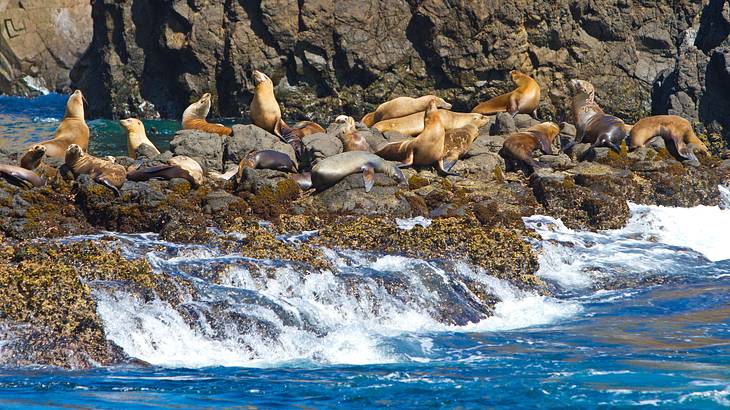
(407, 224)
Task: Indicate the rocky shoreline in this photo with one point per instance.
(48, 281)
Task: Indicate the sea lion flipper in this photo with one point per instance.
(157, 168)
(545, 146)
(448, 164)
(368, 177)
(442, 171)
(103, 181)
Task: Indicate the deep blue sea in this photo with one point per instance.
(640, 317)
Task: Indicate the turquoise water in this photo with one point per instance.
(640, 317)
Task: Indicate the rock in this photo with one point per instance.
(568, 130)
(247, 138)
(205, 148)
(349, 196)
(146, 151)
(559, 161)
(395, 136)
(254, 179)
(479, 164)
(319, 146)
(524, 121)
(42, 42)
(485, 144)
(504, 124)
(218, 201)
(594, 154)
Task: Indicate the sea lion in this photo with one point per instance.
(166, 171)
(32, 158)
(331, 170)
(293, 135)
(348, 134)
(523, 100)
(402, 106)
(304, 180)
(72, 130)
(267, 159)
(670, 128)
(103, 172)
(265, 111)
(136, 136)
(20, 176)
(193, 118)
(426, 149)
(191, 166)
(412, 125)
(457, 141)
(592, 124)
(520, 146)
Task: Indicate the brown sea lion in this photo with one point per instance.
(671, 128)
(348, 134)
(265, 111)
(458, 141)
(267, 159)
(521, 145)
(72, 130)
(21, 177)
(32, 158)
(103, 172)
(426, 149)
(293, 135)
(193, 118)
(136, 136)
(402, 106)
(523, 100)
(592, 124)
(332, 170)
(412, 125)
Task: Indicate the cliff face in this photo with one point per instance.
(40, 41)
(152, 57)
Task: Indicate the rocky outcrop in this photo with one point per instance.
(40, 41)
(153, 57)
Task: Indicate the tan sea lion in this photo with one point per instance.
(592, 124)
(332, 170)
(265, 110)
(426, 149)
(671, 128)
(523, 100)
(32, 158)
(72, 130)
(193, 118)
(521, 145)
(458, 141)
(348, 134)
(402, 106)
(136, 136)
(21, 177)
(103, 172)
(412, 125)
(190, 165)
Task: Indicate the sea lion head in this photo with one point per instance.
(441, 103)
(201, 108)
(75, 105)
(73, 153)
(582, 87)
(550, 129)
(518, 77)
(479, 120)
(605, 140)
(37, 151)
(260, 78)
(132, 124)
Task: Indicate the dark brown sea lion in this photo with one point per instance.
(592, 125)
(523, 100)
(293, 135)
(136, 136)
(521, 145)
(426, 149)
(193, 118)
(21, 177)
(103, 172)
(413, 124)
(332, 170)
(402, 106)
(267, 159)
(72, 130)
(671, 128)
(351, 139)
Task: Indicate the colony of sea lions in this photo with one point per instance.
(435, 136)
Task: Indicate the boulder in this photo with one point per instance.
(319, 146)
(247, 138)
(504, 124)
(203, 147)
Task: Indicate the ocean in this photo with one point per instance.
(639, 316)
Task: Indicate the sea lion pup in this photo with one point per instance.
(32, 158)
(193, 118)
(136, 136)
(520, 146)
(458, 141)
(412, 125)
(351, 139)
(72, 130)
(523, 100)
(592, 124)
(670, 128)
(179, 166)
(402, 106)
(20, 176)
(426, 149)
(264, 110)
(332, 170)
(103, 172)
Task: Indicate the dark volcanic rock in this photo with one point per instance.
(205, 148)
(247, 138)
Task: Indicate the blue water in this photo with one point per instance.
(640, 317)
